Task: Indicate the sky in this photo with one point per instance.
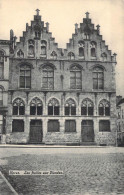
(62, 15)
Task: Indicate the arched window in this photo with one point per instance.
(54, 55)
(53, 107)
(1, 64)
(25, 76)
(36, 107)
(20, 54)
(71, 56)
(104, 56)
(1, 96)
(18, 107)
(104, 108)
(43, 47)
(81, 48)
(31, 48)
(75, 78)
(48, 77)
(93, 49)
(70, 107)
(98, 78)
(87, 107)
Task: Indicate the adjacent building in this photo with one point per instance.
(61, 96)
(120, 120)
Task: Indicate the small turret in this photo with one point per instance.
(87, 15)
(98, 29)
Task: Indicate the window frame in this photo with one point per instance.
(87, 111)
(96, 80)
(15, 120)
(24, 77)
(53, 120)
(53, 102)
(70, 128)
(18, 101)
(36, 101)
(68, 104)
(47, 70)
(102, 130)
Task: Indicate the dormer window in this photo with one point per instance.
(31, 48)
(20, 54)
(54, 55)
(71, 56)
(43, 48)
(81, 49)
(93, 50)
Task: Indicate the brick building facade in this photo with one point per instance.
(61, 96)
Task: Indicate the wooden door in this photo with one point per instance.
(36, 133)
(87, 131)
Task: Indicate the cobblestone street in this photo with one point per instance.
(86, 171)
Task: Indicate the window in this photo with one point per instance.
(104, 125)
(87, 107)
(70, 107)
(37, 30)
(1, 64)
(53, 126)
(43, 48)
(54, 55)
(20, 54)
(70, 126)
(18, 107)
(31, 48)
(81, 48)
(104, 56)
(1, 97)
(104, 108)
(17, 125)
(98, 78)
(25, 76)
(93, 49)
(71, 56)
(36, 107)
(53, 107)
(75, 78)
(48, 77)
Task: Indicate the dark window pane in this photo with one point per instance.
(18, 126)
(83, 111)
(15, 110)
(53, 126)
(95, 84)
(81, 51)
(93, 52)
(22, 82)
(104, 125)
(39, 110)
(90, 111)
(32, 110)
(50, 110)
(73, 110)
(101, 111)
(56, 110)
(28, 82)
(107, 111)
(21, 110)
(70, 126)
(66, 110)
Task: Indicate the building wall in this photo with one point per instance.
(62, 64)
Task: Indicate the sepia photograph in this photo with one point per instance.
(62, 97)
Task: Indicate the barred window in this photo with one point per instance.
(70, 126)
(36, 107)
(18, 107)
(104, 125)
(53, 126)
(17, 125)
